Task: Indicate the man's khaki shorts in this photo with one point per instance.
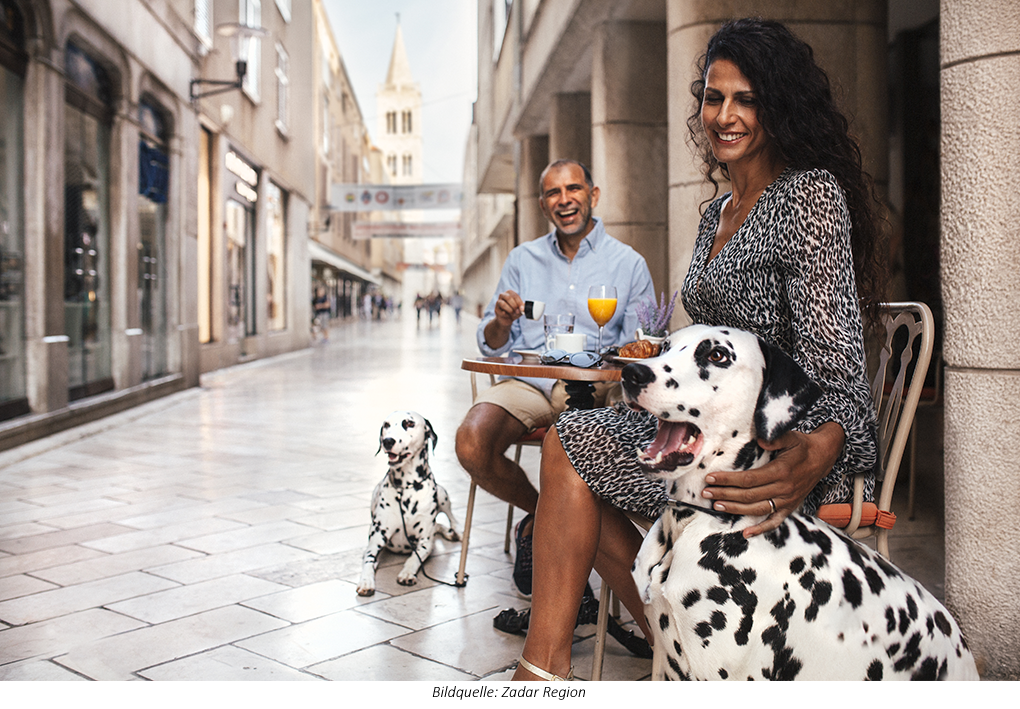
(529, 405)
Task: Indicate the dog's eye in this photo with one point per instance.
(718, 356)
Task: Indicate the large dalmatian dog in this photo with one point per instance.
(801, 602)
(407, 502)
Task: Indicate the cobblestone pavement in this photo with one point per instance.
(217, 534)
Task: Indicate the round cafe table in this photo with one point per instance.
(579, 380)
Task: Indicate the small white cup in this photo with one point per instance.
(571, 341)
(533, 309)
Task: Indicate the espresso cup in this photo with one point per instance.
(533, 309)
(571, 341)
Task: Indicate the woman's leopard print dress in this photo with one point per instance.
(787, 276)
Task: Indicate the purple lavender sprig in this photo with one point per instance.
(654, 319)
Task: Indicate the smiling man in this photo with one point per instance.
(556, 269)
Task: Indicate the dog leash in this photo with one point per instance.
(413, 541)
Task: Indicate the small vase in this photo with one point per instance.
(642, 336)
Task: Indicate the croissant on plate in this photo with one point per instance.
(642, 349)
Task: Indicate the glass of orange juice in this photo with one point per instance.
(602, 306)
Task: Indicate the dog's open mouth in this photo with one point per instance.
(395, 458)
(675, 445)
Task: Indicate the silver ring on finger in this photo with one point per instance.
(772, 504)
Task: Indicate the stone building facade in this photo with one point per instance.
(150, 233)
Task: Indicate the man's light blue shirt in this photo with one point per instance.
(538, 270)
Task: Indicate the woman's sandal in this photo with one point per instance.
(547, 676)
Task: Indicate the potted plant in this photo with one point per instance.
(653, 320)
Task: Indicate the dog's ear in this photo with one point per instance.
(787, 393)
(377, 450)
(430, 435)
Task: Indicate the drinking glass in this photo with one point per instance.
(602, 306)
(554, 325)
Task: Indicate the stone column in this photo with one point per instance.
(47, 343)
(570, 128)
(531, 223)
(849, 41)
(629, 137)
(980, 85)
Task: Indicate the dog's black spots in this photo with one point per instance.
(715, 388)
(874, 671)
(807, 580)
(927, 672)
(672, 384)
(911, 607)
(821, 593)
(887, 568)
(723, 674)
(681, 408)
(718, 594)
(691, 597)
(665, 414)
(911, 654)
(664, 575)
(666, 368)
(664, 621)
(674, 665)
(677, 649)
(735, 434)
(408, 424)
(904, 621)
(733, 544)
(797, 565)
(695, 413)
(703, 630)
(841, 637)
(852, 590)
(890, 620)
(748, 576)
(747, 455)
(875, 582)
(892, 649)
(701, 466)
(418, 485)
(814, 537)
(779, 536)
(718, 620)
(942, 623)
(819, 561)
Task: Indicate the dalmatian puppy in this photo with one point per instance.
(803, 601)
(406, 503)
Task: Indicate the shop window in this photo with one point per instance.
(276, 293)
(153, 180)
(250, 15)
(87, 124)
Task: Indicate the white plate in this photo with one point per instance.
(630, 359)
(528, 353)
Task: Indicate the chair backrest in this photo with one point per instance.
(908, 326)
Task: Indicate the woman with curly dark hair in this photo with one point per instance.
(789, 253)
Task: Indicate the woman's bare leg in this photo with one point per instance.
(574, 530)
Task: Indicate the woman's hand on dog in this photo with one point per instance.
(803, 460)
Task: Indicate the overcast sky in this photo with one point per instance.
(440, 38)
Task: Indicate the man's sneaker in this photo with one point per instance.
(522, 560)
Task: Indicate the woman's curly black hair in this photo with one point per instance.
(797, 111)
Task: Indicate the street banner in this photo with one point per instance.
(406, 230)
(368, 198)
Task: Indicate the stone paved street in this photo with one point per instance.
(217, 534)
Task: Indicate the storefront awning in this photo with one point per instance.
(318, 252)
